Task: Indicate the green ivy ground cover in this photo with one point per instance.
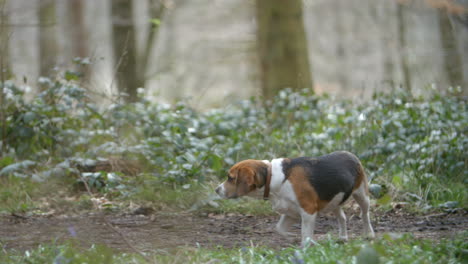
(413, 146)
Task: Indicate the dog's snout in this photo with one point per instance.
(220, 190)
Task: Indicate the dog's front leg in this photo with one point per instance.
(307, 228)
(284, 225)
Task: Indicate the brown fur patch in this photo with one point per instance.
(305, 192)
(361, 178)
(245, 177)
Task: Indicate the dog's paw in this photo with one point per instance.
(308, 242)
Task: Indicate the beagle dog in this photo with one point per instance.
(300, 188)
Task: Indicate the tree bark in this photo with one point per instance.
(341, 52)
(451, 57)
(385, 13)
(125, 53)
(4, 40)
(47, 38)
(402, 42)
(156, 11)
(282, 46)
(76, 12)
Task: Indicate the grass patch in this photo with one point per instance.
(68, 253)
(244, 205)
(23, 195)
(161, 194)
(387, 249)
(16, 194)
(405, 249)
(27, 196)
(192, 196)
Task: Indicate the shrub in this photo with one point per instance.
(410, 143)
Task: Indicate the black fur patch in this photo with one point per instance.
(329, 174)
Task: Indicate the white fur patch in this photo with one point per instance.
(284, 201)
(283, 197)
(221, 191)
(277, 175)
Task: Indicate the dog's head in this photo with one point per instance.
(244, 178)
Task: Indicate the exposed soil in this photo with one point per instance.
(166, 231)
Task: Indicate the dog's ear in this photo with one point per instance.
(261, 173)
(246, 180)
(246, 175)
(255, 176)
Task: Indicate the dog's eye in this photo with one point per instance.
(230, 178)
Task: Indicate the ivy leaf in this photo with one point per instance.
(72, 76)
(156, 22)
(10, 169)
(385, 200)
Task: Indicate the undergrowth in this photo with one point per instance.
(413, 146)
(388, 249)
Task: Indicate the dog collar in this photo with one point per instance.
(266, 191)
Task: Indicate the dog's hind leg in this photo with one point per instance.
(362, 198)
(341, 217)
(283, 227)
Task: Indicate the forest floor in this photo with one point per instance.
(164, 231)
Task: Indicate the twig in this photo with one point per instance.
(108, 224)
(435, 215)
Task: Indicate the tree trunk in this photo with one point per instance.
(4, 40)
(156, 11)
(402, 42)
(384, 14)
(47, 37)
(127, 75)
(282, 46)
(77, 41)
(341, 51)
(76, 11)
(451, 58)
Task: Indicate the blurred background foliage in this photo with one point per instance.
(112, 94)
(140, 107)
(219, 51)
(408, 143)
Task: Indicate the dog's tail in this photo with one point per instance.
(361, 178)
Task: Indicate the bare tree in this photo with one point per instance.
(156, 10)
(130, 67)
(47, 37)
(3, 71)
(341, 51)
(451, 57)
(125, 53)
(449, 13)
(403, 46)
(71, 38)
(76, 11)
(282, 46)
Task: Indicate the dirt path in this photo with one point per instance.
(168, 231)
